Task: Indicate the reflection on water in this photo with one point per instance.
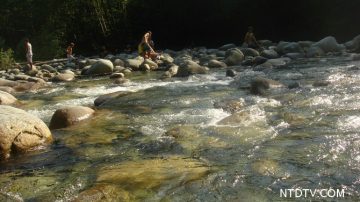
(181, 140)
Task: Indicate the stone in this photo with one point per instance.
(21, 77)
(69, 116)
(175, 170)
(7, 98)
(269, 54)
(20, 131)
(101, 67)
(7, 89)
(49, 68)
(288, 47)
(353, 45)
(227, 47)
(315, 51)
(118, 62)
(230, 105)
(173, 70)
(216, 64)
(259, 60)
(294, 85)
(250, 52)
(321, 83)
(329, 44)
(121, 81)
(134, 64)
(294, 55)
(149, 65)
(117, 75)
(259, 85)
(63, 77)
(230, 73)
(190, 67)
(103, 98)
(103, 192)
(234, 57)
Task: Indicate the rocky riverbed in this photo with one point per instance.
(227, 124)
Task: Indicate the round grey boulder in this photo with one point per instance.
(101, 67)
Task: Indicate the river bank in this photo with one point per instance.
(202, 124)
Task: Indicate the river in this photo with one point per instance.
(175, 141)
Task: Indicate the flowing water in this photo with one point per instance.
(175, 141)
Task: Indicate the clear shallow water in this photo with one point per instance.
(169, 140)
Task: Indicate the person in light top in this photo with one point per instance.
(29, 53)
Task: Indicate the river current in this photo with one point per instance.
(177, 140)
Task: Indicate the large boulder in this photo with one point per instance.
(20, 131)
(6, 98)
(101, 67)
(259, 85)
(329, 44)
(68, 116)
(234, 57)
(190, 67)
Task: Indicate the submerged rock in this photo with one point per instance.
(259, 85)
(170, 171)
(230, 73)
(321, 83)
(68, 116)
(6, 98)
(103, 192)
(20, 131)
(104, 98)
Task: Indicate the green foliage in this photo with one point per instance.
(47, 45)
(6, 59)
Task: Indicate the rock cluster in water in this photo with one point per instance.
(21, 131)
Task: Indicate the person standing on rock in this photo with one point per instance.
(69, 52)
(29, 53)
(250, 40)
(145, 47)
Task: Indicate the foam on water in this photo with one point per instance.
(350, 123)
(324, 100)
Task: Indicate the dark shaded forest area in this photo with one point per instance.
(92, 24)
